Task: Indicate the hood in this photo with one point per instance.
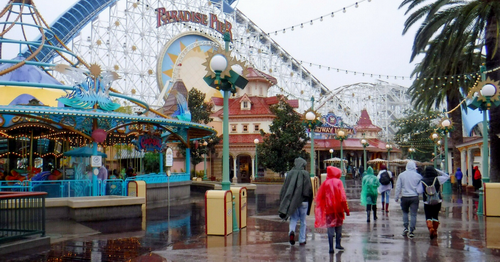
(333, 172)
(369, 171)
(458, 169)
(430, 172)
(300, 163)
(411, 166)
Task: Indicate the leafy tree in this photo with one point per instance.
(455, 37)
(200, 113)
(286, 139)
(151, 162)
(415, 130)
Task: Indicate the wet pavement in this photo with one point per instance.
(178, 234)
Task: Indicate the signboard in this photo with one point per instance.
(96, 161)
(149, 143)
(169, 157)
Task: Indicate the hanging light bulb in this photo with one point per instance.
(356, 5)
(333, 14)
(301, 25)
(321, 19)
(344, 10)
(311, 22)
(292, 28)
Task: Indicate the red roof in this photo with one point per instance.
(259, 106)
(365, 123)
(256, 75)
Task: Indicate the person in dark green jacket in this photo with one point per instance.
(296, 198)
(369, 193)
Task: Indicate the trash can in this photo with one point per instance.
(240, 206)
(136, 188)
(218, 212)
(491, 196)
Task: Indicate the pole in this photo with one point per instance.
(342, 177)
(388, 158)
(435, 155)
(205, 166)
(226, 184)
(312, 142)
(447, 184)
(364, 158)
(256, 163)
(95, 171)
(484, 154)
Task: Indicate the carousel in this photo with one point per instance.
(58, 131)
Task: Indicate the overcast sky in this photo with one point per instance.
(367, 38)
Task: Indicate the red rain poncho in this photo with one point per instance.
(331, 202)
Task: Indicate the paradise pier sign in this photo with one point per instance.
(330, 124)
(164, 17)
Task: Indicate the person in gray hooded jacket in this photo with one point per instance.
(296, 198)
(406, 186)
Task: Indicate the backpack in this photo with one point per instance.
(384, 178)
(431, 193)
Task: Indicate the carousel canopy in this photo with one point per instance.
(83, 152)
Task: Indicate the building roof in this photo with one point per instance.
(256, 75)
(259, 106)
(365, 123)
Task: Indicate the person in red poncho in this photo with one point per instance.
(331, 203)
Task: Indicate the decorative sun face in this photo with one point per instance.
(95, 70)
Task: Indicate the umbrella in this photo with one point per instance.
(376, 161)
(333, 160)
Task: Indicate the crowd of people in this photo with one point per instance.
(331, 208)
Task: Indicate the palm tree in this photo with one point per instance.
(455, 36)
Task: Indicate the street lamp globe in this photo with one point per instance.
(205, 143)
(256, 141)
(331, 151)
(435, 135)
(488, 90)
(388, 146)
(218, 63)
(363, 141)
(310, 116)
(439, 142)
(341, 133)
(446, 123)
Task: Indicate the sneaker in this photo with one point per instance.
(292, 238)
(303, 243)
(411, 235)
(405, 232)
(340, 248)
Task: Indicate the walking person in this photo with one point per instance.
(295, 199)
(369, 193)
(331, 204)
(406, 186)
(458, 176)
(430, 186)
(476, 182)
(386, 184)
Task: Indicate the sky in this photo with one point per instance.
(367, 38)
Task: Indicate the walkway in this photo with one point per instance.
(178, 235)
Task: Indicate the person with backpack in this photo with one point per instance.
(386, 184)
(430, 186)
(406, 186)
(369, 193)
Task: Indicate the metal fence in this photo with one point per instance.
(21, 214)
(83, 187)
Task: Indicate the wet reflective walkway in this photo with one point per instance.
(178, 234)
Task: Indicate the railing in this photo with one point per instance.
(83, 187)
(21, 214)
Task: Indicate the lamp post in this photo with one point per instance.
(341, 136)
(256, 171)
(411, 150)
(205, 161)
(221, 77)
(434, 138)
(389, 148)
(485, 95)
(331, 152)
(446, 126)
(365, 144)
(311, 122)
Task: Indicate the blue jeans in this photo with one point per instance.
(301, 213)
(385, 196)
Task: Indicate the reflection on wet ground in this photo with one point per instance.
(178, 234)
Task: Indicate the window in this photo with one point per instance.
(256, 127)
(233, 128)
(245, 104)
(245, 128)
